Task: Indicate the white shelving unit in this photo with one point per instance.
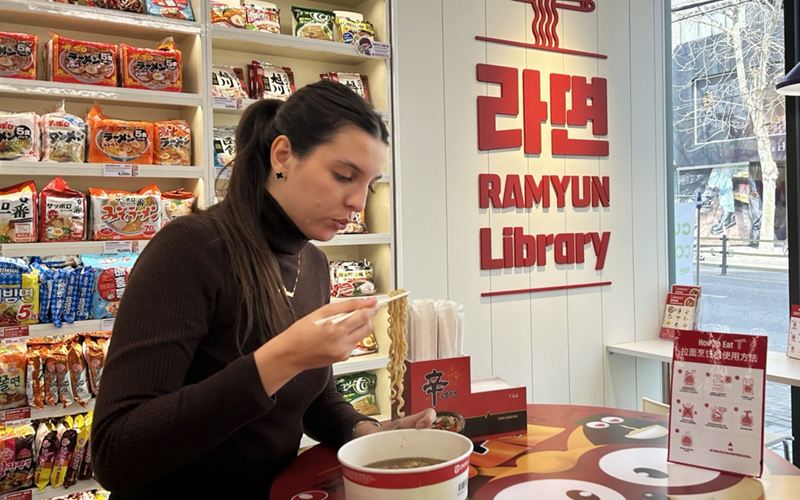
(202, 45)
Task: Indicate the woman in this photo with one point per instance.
(216, 367)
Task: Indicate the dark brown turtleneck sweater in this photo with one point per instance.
(180, 410)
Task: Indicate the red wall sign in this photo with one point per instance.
(574, 102)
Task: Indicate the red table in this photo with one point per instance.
(571, 453)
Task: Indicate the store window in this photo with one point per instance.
(728, 171)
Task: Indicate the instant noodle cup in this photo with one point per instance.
(118, 141)
(152, 69)
(18, 55)
(76, 61)
(444, 480)
(120, 215)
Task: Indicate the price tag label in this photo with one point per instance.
(227, 103)
(16, 417)
(107, 324)
(120, 170)
(13, 335)
(378, 49)
(117, 246)
(18, 495)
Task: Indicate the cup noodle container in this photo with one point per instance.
(444, 481)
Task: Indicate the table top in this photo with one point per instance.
(570, 452)
(780, 367)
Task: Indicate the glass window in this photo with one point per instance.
(728, 176)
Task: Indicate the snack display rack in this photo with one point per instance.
(202, 44)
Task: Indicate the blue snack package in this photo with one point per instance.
(57, 296)
(85, 282)
(110, 279)
(45, 288)
(71, 296)
(174, 9)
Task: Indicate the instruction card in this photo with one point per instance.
(717, 402)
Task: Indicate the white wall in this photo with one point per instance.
(552, 342)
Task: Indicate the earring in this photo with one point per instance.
(279, 175)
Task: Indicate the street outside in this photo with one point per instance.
(745, 301)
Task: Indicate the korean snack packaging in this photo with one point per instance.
(12, 380)
(62, 212)
(118, 141)
(312, 23)
(354, 30)
(18, 213)
(152, 69)
(359, 390)
(173, 9)
(124, 5)
(18, 55)
(173, 143)
(76, 61)
(16, 454)
(45, 446)
(120, 215)
(176, 204)
(19, 136)
(63, 137)
(110, 279)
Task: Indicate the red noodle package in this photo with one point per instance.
(62, 212)
(152, 69)
(76, 61)
(173, 144)
(18, 55)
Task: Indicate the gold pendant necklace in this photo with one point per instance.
(296, 279)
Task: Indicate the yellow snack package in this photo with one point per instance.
(80, 449)
(46, 446)
(19, 293)
(66, 447)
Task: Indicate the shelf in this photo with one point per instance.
(237, 106)
(95, 170)
(59, 411)
(50, 492)
(356, 239)
(241, 40)
(10, 87)
(340, 3)
(80, 18)
(49, 330)
(365, 363)
(64, 248)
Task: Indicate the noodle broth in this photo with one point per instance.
(404, 463)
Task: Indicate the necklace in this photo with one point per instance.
(296, 279)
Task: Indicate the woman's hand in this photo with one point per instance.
(421, 420)
(304, 345)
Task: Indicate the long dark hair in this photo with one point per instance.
(310, 117)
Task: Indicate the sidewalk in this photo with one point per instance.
(745, 257)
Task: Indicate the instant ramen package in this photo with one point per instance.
(173, 9)
(120, 215)
(176, 204)
(228, 15)
(118, 141)
(12, 379)
(95, 347)
(224, 146)
(19, 136)
(356, 82)
(351, 278)
(268, 81)
(84, 303)
(124, 5)
(18, 222)
(16, 456)
(227, 81)
(173, 143)
(356, 225)
(358, 389)
(312, 23)
(66, 447)
(354, 31)
(76, 61)
(263, 18)
(63, 137)
(45, 447)
(62, 212)
(18, 55)
(110, 278)
(152, 69)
